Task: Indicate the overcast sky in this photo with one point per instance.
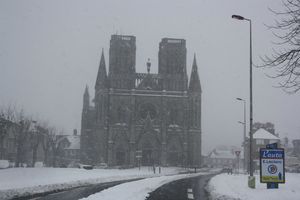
(49, 51)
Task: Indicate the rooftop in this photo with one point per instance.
(263, 134)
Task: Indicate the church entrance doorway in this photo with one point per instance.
(173, 158)
(120, 158)
(147, 157)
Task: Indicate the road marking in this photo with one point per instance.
(190, 194)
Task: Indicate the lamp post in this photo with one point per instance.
(244, 145)
(244, 101)
(238, 17)
(244, 125)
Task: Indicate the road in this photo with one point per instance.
(184, 189)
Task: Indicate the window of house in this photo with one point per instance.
(260, 141)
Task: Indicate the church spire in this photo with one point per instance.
(195, 85)
(86, 98)
(101, 81)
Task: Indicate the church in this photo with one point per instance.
(143, 118)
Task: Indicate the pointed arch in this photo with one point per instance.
(175, 155)
(121, 148)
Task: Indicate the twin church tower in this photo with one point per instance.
(143, 118)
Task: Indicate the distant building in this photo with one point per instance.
(9, 148)
(268, 126)
(7, 140)
(261, 138)
(29, 143)
(70, 149)
(143, 118)
(224, 158)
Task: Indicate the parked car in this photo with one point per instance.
(101, 166)
(12, 164)
(38, 164)
(83, 166)
(4, 164)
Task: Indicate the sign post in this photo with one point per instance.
(138, 157)
(272, 166)
(237, 153)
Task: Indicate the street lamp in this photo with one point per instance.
(238, 17)
(244, 123)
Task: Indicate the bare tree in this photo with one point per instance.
(21, 135)
(54, 141)
(21, 132)
(45, 140)
(35, 139)
(28, 135)
(286, 60)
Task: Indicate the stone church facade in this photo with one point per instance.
(143, 118)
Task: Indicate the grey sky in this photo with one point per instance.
(49, 51)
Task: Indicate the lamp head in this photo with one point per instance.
(238, 17)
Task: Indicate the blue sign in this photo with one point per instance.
(272, 166)
(272, 146)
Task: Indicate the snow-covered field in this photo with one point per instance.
(136, 190)
(225, 186)
(24, 181)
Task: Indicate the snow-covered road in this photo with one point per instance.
(137, 190)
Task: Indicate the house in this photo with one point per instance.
(261, 138)
(70, 149)
(224, 158)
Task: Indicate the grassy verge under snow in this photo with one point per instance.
(225, 186)
(16, 182)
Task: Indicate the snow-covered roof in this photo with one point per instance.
(222, 154)
(263, 134)
(74, 141)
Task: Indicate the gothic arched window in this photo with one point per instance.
(121, 114)
(146, 109)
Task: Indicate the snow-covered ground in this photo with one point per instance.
(225, 186)
(24, 181)
(136, 190)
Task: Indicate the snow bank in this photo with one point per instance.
(225, 186)
(15, 182)
(136, 190)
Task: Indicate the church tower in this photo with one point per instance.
(122, 54)
(172, 64)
